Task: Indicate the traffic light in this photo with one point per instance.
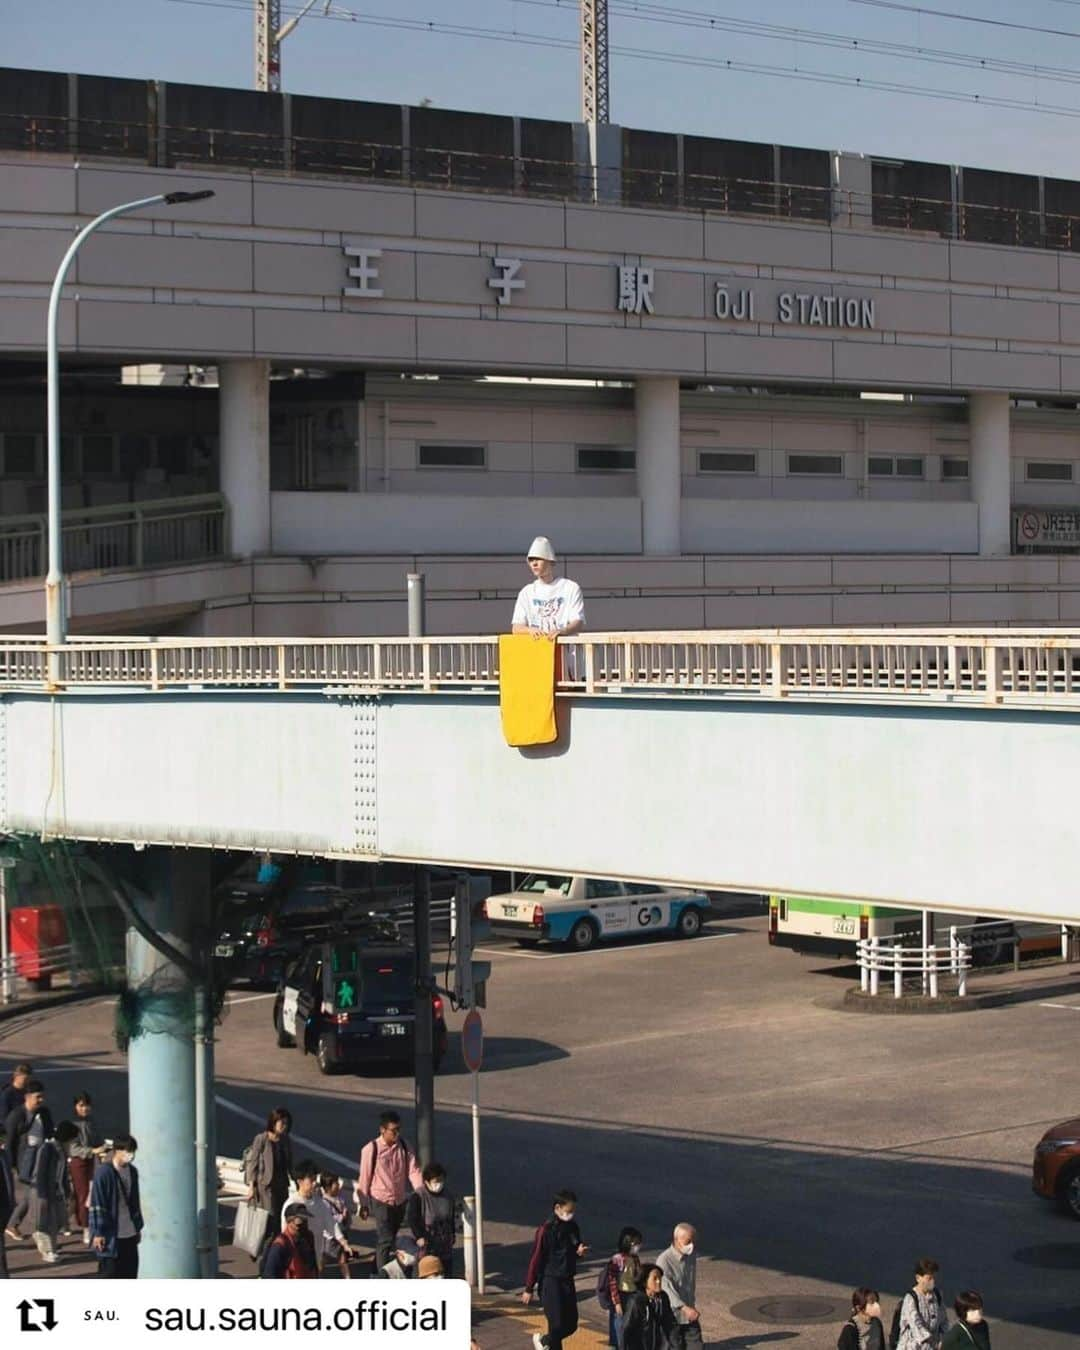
(470, 976)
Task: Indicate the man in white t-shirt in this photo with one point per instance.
(548, 606)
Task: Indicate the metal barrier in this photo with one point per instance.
(127, 535)
(998, 668)
(900, 963)
(1013, 939)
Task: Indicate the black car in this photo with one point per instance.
(351, 1001)
(271, 929)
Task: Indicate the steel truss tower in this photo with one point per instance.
(594, 62)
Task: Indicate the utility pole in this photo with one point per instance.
(424, 1034)
(595, 107)
(269, 35)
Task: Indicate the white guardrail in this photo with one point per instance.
(888, 956)
(1002, 667)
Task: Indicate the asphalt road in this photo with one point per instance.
(717, 1081)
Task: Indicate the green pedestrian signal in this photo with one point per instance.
(346, 994)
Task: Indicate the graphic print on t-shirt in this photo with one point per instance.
(549, 605)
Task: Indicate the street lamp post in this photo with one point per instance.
(55, 624)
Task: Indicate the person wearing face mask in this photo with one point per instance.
(921, 1318)
(621, 1278)
(404, 1262)
(116, 1221)
(552, 1268)
(432, 1216)
(649, 1322)
(969, 1331)
(863, 1330)
(678, 1265)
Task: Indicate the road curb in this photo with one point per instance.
(40, 1003)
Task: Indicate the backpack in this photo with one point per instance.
(894, 1330)
(603, 1293)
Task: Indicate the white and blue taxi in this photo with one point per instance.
(579, 911)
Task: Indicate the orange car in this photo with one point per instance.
(1055, 1172)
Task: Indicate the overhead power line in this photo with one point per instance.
(966, 18)
(539, 40)
(718, 23)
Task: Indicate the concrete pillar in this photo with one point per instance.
(161, 1021)
(659, 463)
(244, 435)
(991, 471)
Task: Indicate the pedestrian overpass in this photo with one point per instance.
(914, 767)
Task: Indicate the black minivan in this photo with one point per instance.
(351, 1002)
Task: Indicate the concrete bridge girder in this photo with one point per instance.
(926, 807)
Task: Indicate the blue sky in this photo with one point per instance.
(211, 42)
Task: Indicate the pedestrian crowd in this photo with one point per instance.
(61, 1180)
(295, 1223)
(654, 1306)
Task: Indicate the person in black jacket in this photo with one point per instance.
(552, 1268)
(432, 1215)
(648, 1320)
(864, 1327)
(27, 1127)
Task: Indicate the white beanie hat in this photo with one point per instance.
(541, 547)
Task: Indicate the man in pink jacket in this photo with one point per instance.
(388, 1173)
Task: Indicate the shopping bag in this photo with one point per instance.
(250, 1227)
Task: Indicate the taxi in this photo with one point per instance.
(351, 1002)
(581, 911)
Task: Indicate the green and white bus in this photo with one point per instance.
(833, 927)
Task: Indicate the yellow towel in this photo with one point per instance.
(527, 689)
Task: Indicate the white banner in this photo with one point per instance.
(139, 1314)
(1046, 527)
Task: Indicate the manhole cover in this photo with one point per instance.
(788, 1308)
(1050, 1256)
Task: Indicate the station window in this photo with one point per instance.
(816, 464)
(20, 454)
(451, 456)
(953, 468)
(727, 461)
(605, 459)
(896, 466)
(1049, 471)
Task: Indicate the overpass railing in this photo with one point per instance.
(1003, 667)
(125, 535)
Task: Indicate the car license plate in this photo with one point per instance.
(844, 927)
(392, 1029)
(224, 949)
(510, 911)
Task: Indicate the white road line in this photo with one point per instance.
(251, 998)
(597, 951)
(1068, 1007)
(339, 1158)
